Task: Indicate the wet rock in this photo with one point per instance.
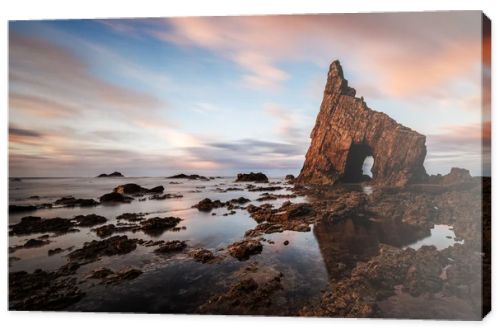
(242, 250)
(347, 131)
(370, 282)
(272, 188)
(248, 296)
(115, 198)
(286, 242)
(21, 208)
(132, 217)
(290, 178)
(41, 291)
(228, 189)
(105, 231)
(129, 189)
(99, 273)
(188, 177)
(114, 174)
(159, 224)
(70, 201)
(266, 228)
(90, 220)
(207, 204)
(109, 229)
(252, 177)
(54, 251)
(272, 197)
(30, 225)
(150, 243)
(345, 206)
(239, 200)
(165, 196)
(68, 269)
(285, 214)
(117, 245)
(32, 243)
(171, 247)
(122, 275)
(202, 255)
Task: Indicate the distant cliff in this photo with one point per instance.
(347, 131)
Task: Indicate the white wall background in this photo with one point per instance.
(72, 323)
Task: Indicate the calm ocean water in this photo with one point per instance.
(177, 284)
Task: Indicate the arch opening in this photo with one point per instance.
(359, 164)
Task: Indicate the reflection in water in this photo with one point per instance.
(343, 244)
(441, 236)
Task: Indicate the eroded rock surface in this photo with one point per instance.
(347, 131)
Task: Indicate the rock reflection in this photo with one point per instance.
(342, 244)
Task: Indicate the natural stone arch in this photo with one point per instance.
(354, 162)
(345, 120)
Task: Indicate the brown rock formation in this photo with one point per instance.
(347, 131)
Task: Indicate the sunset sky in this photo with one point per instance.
(221, 95)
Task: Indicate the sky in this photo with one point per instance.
(222, 95)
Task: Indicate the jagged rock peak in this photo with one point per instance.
(347, 131)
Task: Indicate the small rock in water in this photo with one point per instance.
(171, 246)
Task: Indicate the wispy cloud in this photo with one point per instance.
(406, 53)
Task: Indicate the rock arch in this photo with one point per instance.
(346, 129)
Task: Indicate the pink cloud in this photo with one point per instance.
(405, 53)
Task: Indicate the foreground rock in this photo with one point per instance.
(252, 177)
(133, 217)
(252, 294)
(171, 247)
(117, 245)
(242, 250)
(89, 220)
(30, 225)
(107, 276)
(158, 225)
(202, 255)
(42, 291)
(347, 131)
(425, 278)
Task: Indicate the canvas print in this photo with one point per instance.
(330, 165)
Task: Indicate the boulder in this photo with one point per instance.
(242, 250)
(90, 220)
(252, 177)
(115, 198)
(347, 131)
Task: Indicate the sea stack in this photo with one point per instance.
(347, 131)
